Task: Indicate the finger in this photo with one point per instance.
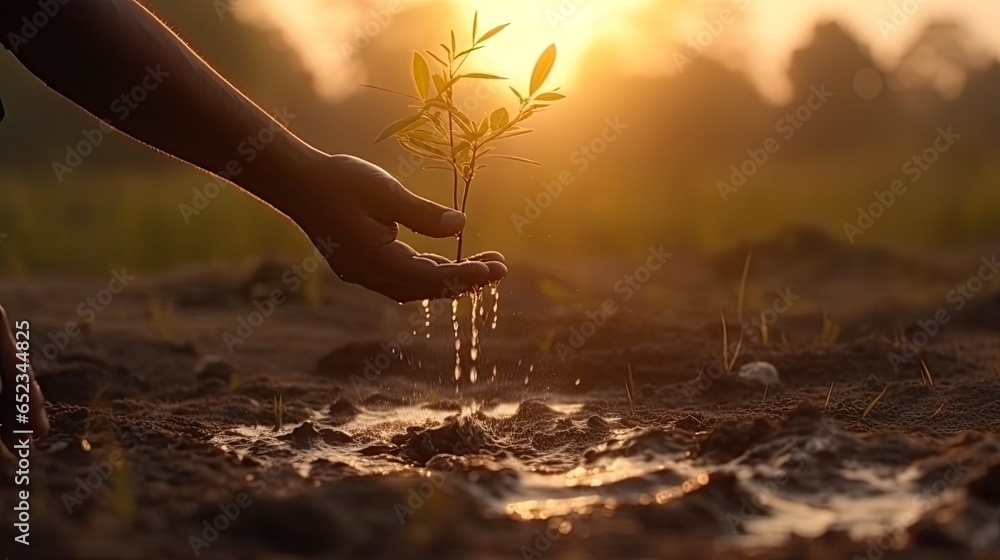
(492, 259)
(399, 273)
(496, 262)
(488, 256)
(429, 280)
(436, 258)
(425, 216)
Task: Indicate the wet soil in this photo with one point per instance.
(333, 431)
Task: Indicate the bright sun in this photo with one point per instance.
(320, 30)
(573, 25)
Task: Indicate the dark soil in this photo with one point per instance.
(624, 438)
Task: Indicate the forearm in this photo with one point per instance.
(118, 62)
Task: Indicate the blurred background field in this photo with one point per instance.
(706, 91)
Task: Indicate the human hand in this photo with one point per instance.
(351, 210)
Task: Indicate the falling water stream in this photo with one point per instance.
(482, 317)
(480, 320)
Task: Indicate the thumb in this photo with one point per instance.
(426, 217)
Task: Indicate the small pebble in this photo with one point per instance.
(762, 373)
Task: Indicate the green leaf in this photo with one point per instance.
(461, 148)
(427, 136)
(475, 25)
(438, 104)
(447, 50)
(402, 125)
(491, 33)
(429, 148)
(515, 158)
(464, 123)
(439, 84)
(499, 118)
(481, 76)
(390, 91)
(413, 148)
(543, 68)
(518, 94)
(469, 51)
(513, 133)
(550, 97)
(454, 47)
(437, 58)
(442, 86)
(421, 75)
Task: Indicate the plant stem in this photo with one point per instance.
(465, 200)
(451, 143)
(465, 196)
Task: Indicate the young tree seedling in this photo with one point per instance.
(452, 140)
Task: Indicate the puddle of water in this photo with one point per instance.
(607, 485)
(880, 504)
(865, 500)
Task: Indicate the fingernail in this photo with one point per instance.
(452, 220)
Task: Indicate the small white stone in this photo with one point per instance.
(763, 373)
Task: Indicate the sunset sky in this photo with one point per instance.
(635, 29)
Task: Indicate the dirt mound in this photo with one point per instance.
(982, 313)
(459, 435)
(806, 254)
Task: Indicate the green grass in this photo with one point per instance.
(103, 219)
(130, 220)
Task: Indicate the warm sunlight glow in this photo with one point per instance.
(308, 26)
(640, 36)
(575, 26)
(330, 36)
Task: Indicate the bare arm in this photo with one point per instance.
(120, 63)
(106, 55)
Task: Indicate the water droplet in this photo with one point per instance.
(458, 341)
(427, 317)
(577, 382)
(495, 290)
